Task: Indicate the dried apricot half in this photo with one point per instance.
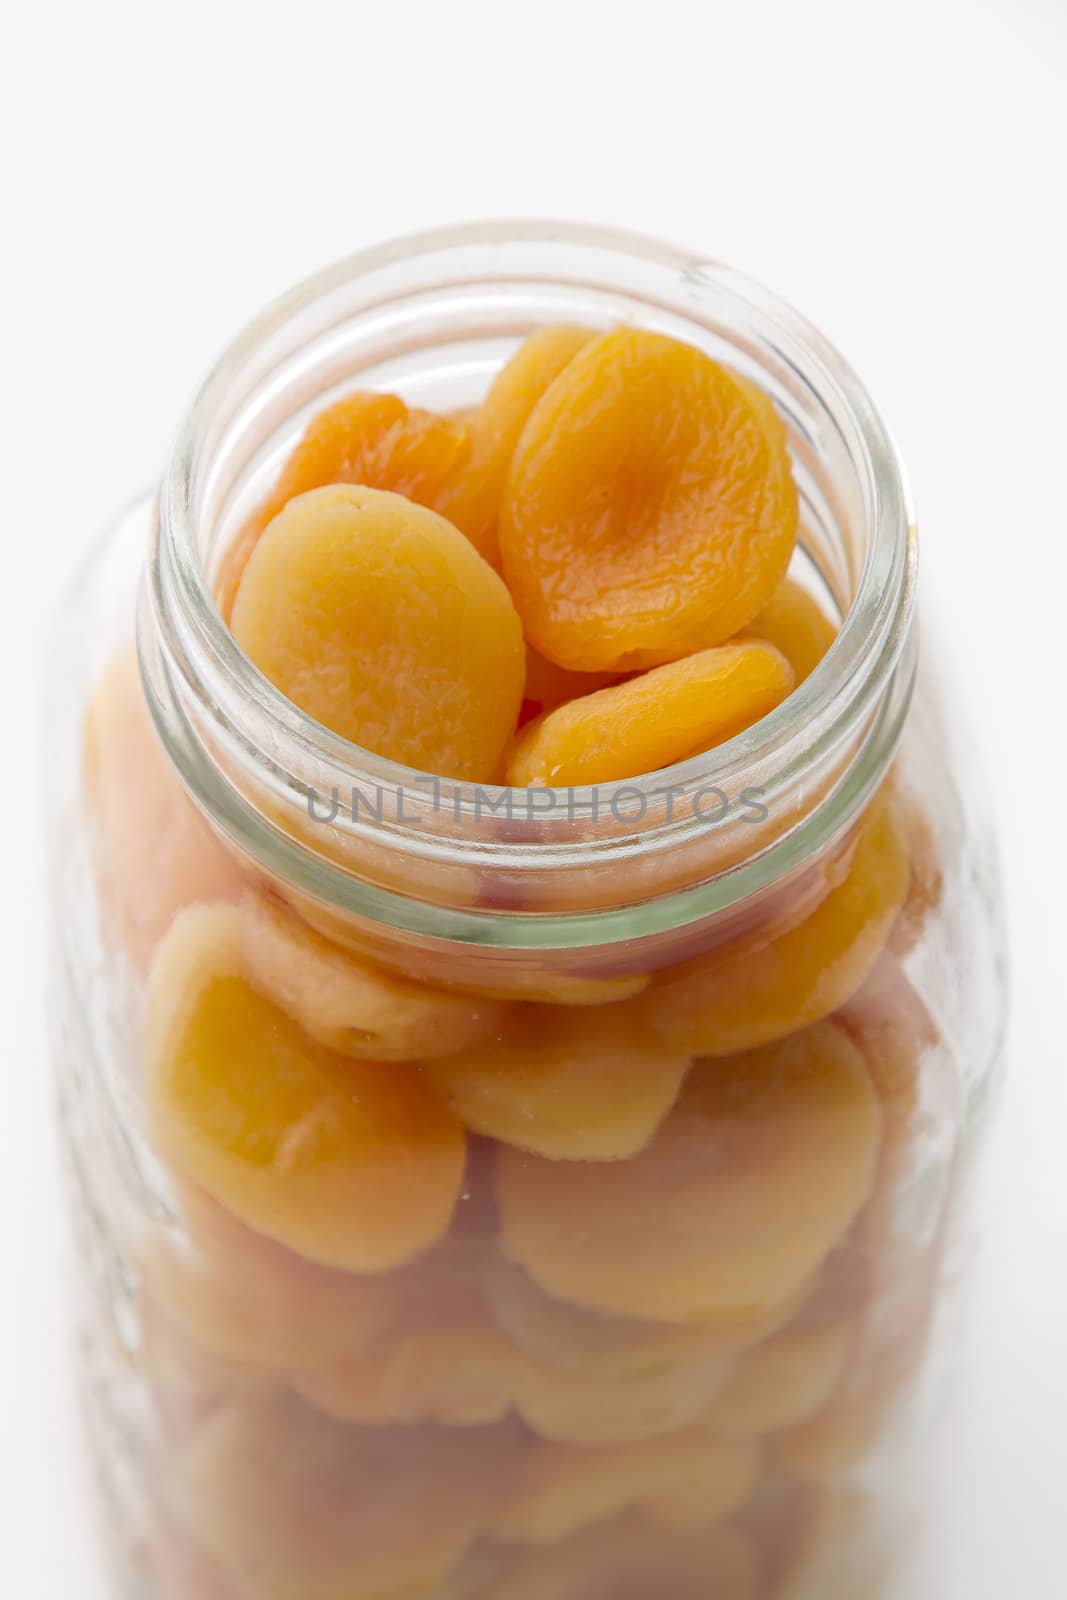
(381, 621)
(348, 1004)
(471, 496)
(659, 717)
(564, 1489)
(635, 1556)
(567, 1082)
(732, 1000)
(353, 1164)
(793, 620)
(751, 1181)
(649, 511)
(365, 438)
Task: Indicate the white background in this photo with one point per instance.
(898, 171)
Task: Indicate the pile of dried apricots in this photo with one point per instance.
(476, 1298)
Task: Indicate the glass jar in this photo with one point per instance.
(608, 1253)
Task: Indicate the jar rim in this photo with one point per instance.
(863, 681)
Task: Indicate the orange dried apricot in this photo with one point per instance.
(380, 620)
(926, 882)
(348, 1004)
(731, 1000)
(249, 1300)
(563, 1489)
(570, 1083)
(657, 718)
(649, 511)
(751, 1181)
(366, 438)
(635, 1556)
(794, 621)
(290, 1504)
(463, 1376)
(549, 686)
(893, 1028)
(573, 1339)
(153, 851)
(782, 1382)
(599, 1409)
(471, 496)
(351, 1163)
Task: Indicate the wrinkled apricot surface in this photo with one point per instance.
(347, 1004)
(652, 720)
(748, 1185)
(569, 1083)
(729, 1001)
(471, 496)
(794, 621)
(366, 438)
(351, 1163)
(379, 620)
(649, 510)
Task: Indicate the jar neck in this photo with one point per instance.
(526, 870)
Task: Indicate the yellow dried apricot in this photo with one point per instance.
(652, 720)
(153, 851)
(783, 1382)
(471, 496)
(347, 1004)
(573, 1339)
(633, 1556)
(598, 1409)
(569, 1083)
(794, 621)
(351, 1163)
(734, 1000)
(563, 1489)
(290, 1504)
(751, 1181)
(380, 620)
(248, 1299)
(549, 686)
(366, 438)
(649, 511)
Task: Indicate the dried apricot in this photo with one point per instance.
(632, 1556)
(573, 1339)
(564, 1489)
(348, 1004)
(782, 1382)
(731, 1000)
(380, 620)
(652, 720)
(366, 438)
(290, 1504)
(570, 1083)
(598, 1409)
(751, 1181)
(248, 1299)
(794, 621)
(549, 686)
(649, 511)
(462, 1376)
(471, 496)
(153, 851)
(351, 1163)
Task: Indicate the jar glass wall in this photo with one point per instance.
(624, 1275)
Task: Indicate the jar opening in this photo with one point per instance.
(432, 317)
